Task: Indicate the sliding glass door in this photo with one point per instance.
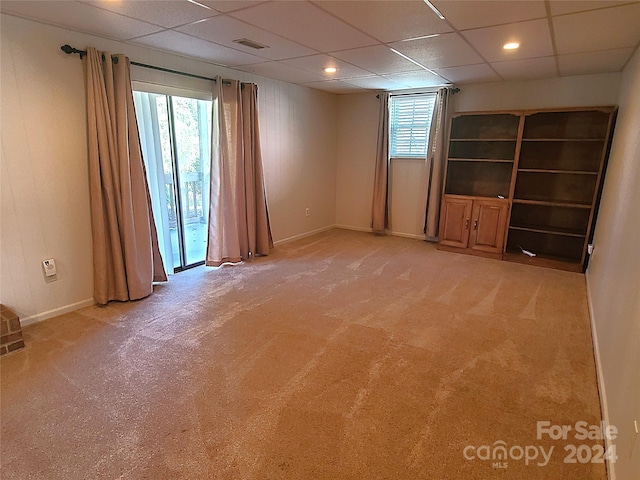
(175, 134)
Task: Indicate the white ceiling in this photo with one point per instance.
(557, 37)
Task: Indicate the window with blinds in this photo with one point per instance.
(409, 123)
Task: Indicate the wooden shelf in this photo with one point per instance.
(545, 244)
(485, 126)
(545, 154)
(513, 139)
(583, 125)
(543, 229)
(478, 179)
(562, 139)
(549, 261)
(489, 160)
(556, 187)
(550, 218)
(551, 204)
(480, 149)
(571, 172)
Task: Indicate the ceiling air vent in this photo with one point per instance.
(250, 43)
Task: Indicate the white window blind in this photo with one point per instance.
(409, 123)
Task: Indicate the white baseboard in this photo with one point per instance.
(355, 229)
(303, 235)
(611, 474)
(388, 232)
(408, 235)
(39, 317)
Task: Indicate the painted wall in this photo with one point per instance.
(576, 91)
(613, 277)
(44, 186)
(357, 131)
(357, 138)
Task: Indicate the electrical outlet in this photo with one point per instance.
(50, 271)
(306, 212)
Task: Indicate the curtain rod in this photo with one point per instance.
(69, 50)
(454, 90)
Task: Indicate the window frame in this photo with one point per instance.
(393, 129)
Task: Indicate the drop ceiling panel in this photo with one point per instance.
(534, 38)
(165, 13)
(305, 23)
(230, 5)
(447, 50)
(81, 17)
(388, 21)
(526, 69)
(419, 79)
(315, 64)
(224, 30)
(469, 74)
(616, 27)
(333, 86)
(465, 14)
(195, 47)
(377, 59)
(375, 83)
(280, 71)
(594, 62)
(559, 7)
(590, 36)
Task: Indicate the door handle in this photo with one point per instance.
(466, 224)
(475, 224)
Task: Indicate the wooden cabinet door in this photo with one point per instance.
(489, 225)
(455, 219)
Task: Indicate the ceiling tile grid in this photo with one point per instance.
(82, 18)
(180, 42)
(388, 21)
(164, 13)
(468, 14)
(533, 36)
(226, 30)
(374, 44)
(615, 27)
(447, 50)
(305, 23)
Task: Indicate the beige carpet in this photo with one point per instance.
(340, 356)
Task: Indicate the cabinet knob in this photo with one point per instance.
(475, 224)
(466, 224)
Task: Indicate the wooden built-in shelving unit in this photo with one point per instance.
(545, 166)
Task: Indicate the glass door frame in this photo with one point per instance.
(180, 130)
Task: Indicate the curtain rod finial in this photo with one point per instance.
(68, 49)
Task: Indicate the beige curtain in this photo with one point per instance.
(126, 258)
(380, 209)
(436, 157)
(238, 217)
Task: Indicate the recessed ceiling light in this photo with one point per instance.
(435, 10)
(330, 69)
(511, 46)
